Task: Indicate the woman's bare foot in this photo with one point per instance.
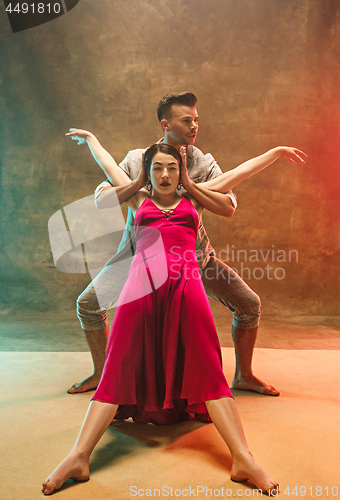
(245, 468)
(73, 467)
(252, 383)
(89, 384)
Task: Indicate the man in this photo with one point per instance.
(179, 119)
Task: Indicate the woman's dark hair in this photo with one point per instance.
(160, 147)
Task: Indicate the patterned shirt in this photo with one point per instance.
(201, 168)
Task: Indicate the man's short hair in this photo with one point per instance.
(165, 104)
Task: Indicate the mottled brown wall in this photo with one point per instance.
(266, 73)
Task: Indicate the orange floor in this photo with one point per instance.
(295, 437)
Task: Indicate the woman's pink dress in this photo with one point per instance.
(163, 358)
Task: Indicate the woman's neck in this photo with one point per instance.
(166, 200)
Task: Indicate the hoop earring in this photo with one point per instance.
(149, 186)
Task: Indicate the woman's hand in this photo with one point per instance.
(292, 154)
(77, 134)
(185, 179)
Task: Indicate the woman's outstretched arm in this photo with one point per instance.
(230, 179)
(124, 187)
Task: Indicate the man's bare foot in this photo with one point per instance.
(73, 467)
(89, 384)
(245, 468)
(251, 383)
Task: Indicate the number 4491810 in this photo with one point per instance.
(39, 8)
(312, 491)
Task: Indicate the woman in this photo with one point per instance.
(163, 362)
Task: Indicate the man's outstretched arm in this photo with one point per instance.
(124, 187)
(229, 179)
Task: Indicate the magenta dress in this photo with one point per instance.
(163, 358)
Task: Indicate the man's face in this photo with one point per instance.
(182, 126)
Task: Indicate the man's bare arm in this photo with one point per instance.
(228, 180)
(102, 157)
(124, 188)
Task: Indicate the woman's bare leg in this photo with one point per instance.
(76, 464)
(224, 415)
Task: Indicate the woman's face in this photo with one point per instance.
(164, 173)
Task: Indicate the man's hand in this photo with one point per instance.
(186, 181)
(77, 134)
(142, 176)
(292, 154)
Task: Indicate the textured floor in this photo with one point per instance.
(295, 436)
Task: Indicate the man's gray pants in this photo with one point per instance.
(220, 281)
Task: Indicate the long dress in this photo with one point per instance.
(163, 358)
